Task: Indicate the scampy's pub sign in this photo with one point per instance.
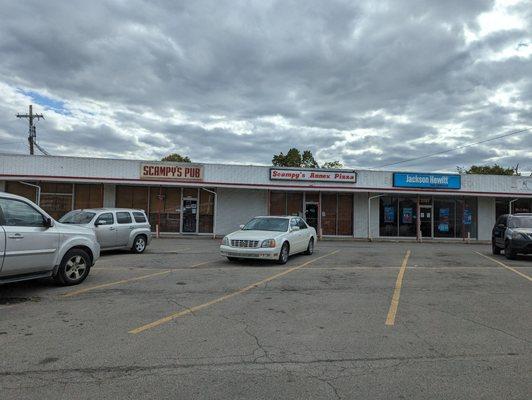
(316, 175)
(181, 172)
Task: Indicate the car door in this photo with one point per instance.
(105, 229)
(295, 236)
(124, 226)
(305, 233)
(30, 245)
(2, 243)
(499, 230)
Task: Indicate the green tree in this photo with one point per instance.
(332, 165)
(176, 158)
(494, 169)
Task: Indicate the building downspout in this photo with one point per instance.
(369, 214)
(215, 211)
(510, 204)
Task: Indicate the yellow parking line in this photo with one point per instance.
(505, 266)
(390, 319)
(138, 278)
(226, 297)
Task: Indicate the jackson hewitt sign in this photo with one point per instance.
(180, 172)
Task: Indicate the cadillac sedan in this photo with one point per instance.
(270, 238)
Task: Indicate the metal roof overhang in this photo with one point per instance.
(323, 188)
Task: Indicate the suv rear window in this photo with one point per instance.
(123, 217)
(139, 217)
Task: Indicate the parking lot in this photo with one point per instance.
(354, 320)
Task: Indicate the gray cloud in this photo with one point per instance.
(237, 81)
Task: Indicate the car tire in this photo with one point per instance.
(284, 254)
(508, 252)
(139, 244)
(74, 268)
(310, 247)
(232, 259)
(494, 249)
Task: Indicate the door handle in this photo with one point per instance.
(131, 227)
(15, 236)
(112, 228)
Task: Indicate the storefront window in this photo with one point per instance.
(444, 217)
(466, 221)
(407, 216)
(388, 216)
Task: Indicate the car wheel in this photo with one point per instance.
(74, 268)
(494, 249)
(232, 259)
(139, 244)
(310, 247)
(508, 252)
(283, 255)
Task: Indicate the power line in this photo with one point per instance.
(456, 148)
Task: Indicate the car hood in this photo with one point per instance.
(254, 235)
(73, 228)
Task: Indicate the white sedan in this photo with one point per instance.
(270, 238)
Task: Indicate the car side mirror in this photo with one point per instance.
(501, 226)
(48, 222)
(241, 226)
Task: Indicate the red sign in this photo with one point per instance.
(317, 174)
(182, 172)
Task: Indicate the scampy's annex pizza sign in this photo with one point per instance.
(181, 172)
(309, 175)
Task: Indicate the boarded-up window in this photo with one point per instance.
(88, 196)
(277, 203)
(165, 205)
(328, 216)
(132, 197)
(294, 204)
(206, 212)
(20, 189)
(345, 214)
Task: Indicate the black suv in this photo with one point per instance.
(513, 234)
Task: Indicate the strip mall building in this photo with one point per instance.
(207, 199)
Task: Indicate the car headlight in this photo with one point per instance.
(225, 241)
(268, 243)
(518, 236)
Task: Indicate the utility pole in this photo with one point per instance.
(32, 133)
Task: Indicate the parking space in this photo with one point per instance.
(179, 321)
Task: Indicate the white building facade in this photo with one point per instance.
(214, 199)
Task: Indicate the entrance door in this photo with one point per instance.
(425, 220)
(311, 215)
(190, 215)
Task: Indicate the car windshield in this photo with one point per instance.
(267, 224)
(520, 222)
(77, 217)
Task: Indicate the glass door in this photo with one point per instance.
(190, 215)
(311, 215)
(425, 221)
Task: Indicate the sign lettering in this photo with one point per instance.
(187, 172)
(312, 175)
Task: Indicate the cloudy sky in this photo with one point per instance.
(364, 82)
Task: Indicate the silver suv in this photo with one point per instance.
(115, 228)
(33, 245)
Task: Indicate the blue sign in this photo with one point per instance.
(426, 181)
